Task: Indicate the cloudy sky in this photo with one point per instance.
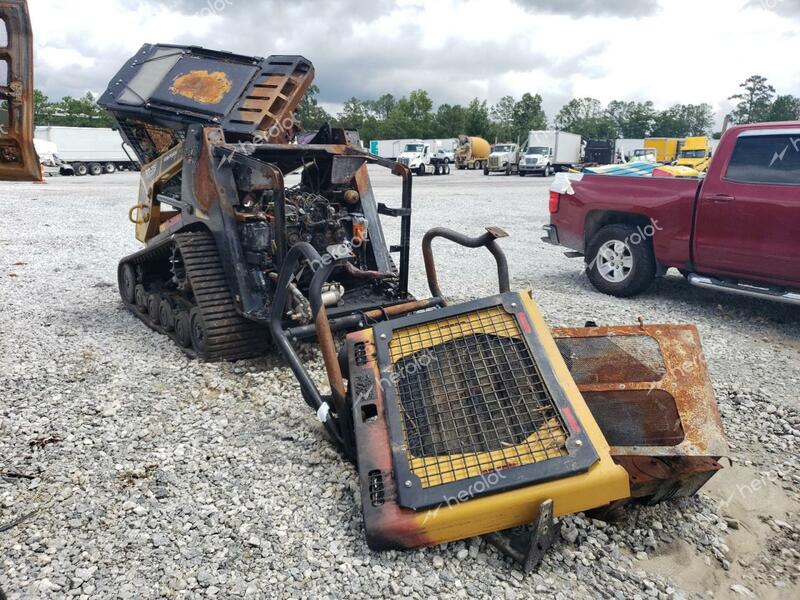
(664, 50)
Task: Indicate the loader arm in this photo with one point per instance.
(18, 158)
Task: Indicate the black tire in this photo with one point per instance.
(621, 261)
(446, 169)
(183, 329)
(437, 169)
(95, 169)
(166, 316)
(446, 161)
(421, 170)
(485, 171)
(80, 169)
(522, 173)
(126, 277)
(109, 168)
(153, 304)
(199, 332)
(141, 297)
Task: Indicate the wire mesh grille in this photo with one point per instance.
(472, 398)
(149, 141)
(598, 360)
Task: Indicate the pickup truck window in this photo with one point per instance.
(766, 159)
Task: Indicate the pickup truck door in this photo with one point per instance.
(748, 214)
(18, 159)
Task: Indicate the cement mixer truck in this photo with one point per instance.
(472, 153)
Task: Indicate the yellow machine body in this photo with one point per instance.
(475, 509)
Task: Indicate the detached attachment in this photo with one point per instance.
(529, 548)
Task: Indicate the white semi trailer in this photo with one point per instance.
(88, 150)
(392, 149)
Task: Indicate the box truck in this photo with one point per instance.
(667, 149)
(550, 151)
(88, 150)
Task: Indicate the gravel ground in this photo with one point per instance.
(141, 474)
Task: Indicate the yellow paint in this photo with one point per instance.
(695, 153)
(202, 87)
(603, 483)
(666, 148)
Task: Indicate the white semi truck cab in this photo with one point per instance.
(503, 159)
(537, 159)
(419, 157)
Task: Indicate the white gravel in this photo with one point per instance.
(152, 476)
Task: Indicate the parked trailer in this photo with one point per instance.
(550, 151)
(390, 149)
(88, 150)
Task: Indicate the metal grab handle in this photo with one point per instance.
(145, 216)
(488, 240)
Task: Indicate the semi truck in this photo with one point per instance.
(503, 159)
(695, 153)
(392, 149)
(550, 151)
(422, 159)
(88, 150)
(472, 152)
(735, 230)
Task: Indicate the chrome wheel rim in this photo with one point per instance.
(614, 261)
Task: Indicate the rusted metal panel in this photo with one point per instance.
(678, 372)
(18, 159)
(202, 86)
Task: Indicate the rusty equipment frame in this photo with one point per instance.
(18, 158)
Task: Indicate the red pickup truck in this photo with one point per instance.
(737, 229)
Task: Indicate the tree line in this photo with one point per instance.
(510, 119)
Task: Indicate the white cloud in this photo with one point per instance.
(456, 49)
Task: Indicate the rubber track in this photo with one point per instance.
(229, 335)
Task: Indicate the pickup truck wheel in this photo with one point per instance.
(621, 262)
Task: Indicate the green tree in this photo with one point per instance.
(502, 115)
(586, 117)
(42, 108)
(785, 108)
(476, 118)
(754, 101)
(682, 120)
(354, 114)
(632, 119)
(310, 113)
(382, 107)
(411, 117)
(451, 120)
(528, 115)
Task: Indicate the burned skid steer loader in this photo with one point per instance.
(463, 420)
